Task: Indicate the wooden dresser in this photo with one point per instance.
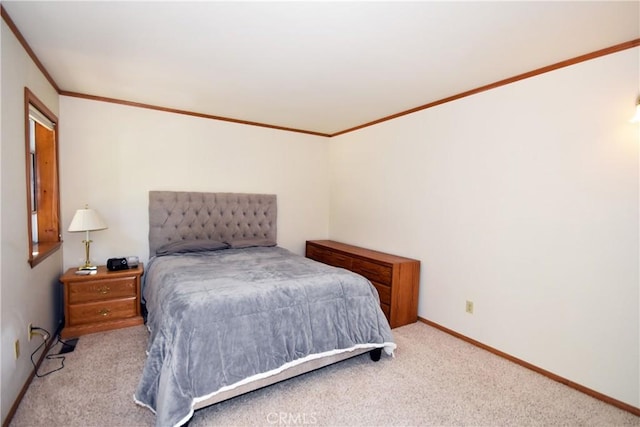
(396, 278)
(102, 301)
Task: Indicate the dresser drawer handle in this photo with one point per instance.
(104, 312)
(103, 290)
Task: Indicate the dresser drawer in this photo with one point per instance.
(332, 258)
(104, 289)
(102, 311)
(315, 253)
(384, 292)
(372, 271)
(386, 309)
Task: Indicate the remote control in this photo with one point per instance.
(85, 272)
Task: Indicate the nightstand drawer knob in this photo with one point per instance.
(104, 312)
(104, 290)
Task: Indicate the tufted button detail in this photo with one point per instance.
(218, 216)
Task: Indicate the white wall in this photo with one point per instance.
(523, 199)
(112, 155)
(27, 295)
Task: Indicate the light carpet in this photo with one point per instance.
(434, 380)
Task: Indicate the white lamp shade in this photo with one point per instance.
(636, 117)
(87, 220)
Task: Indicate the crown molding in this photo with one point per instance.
(586, 57)
(576, 60)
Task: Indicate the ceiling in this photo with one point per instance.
(314, 66)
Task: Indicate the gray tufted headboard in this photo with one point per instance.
(180, 215)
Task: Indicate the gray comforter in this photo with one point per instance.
(221, 317)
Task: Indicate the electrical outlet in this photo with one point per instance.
(469, 307)
(16, 348)
(29, 333)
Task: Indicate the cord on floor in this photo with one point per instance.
(49, 356)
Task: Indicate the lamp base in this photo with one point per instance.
(88, 267)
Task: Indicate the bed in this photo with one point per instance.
(229, 311)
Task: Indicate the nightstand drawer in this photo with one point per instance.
(102, 311)
(372, 271)
(104, 289)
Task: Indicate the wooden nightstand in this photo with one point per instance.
(102, 301)
(396, 278)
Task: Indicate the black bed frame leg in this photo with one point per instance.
(375, 354)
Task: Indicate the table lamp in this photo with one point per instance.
(87, 220)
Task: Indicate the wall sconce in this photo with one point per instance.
(87, 220)
(636, 117)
